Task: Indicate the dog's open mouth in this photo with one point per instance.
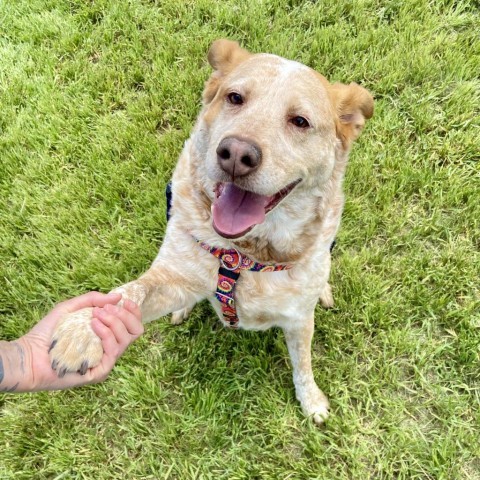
(236, 211)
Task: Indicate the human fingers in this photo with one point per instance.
(123, 315)
(133, 318)
(109, 341)
(113, 319)
(111, 351)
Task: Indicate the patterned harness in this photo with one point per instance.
(232, 262)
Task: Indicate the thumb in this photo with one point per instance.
(91, 299)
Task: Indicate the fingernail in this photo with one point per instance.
(111, 308)
(118, 295)
(129, 303)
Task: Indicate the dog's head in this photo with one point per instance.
(271, 126)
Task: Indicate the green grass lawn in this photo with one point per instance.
(96, 100)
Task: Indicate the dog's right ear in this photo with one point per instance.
(223, 56)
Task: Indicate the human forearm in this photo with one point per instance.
(15, 374)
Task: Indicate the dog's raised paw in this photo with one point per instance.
(75, 347)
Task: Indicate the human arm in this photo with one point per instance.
(25, 363)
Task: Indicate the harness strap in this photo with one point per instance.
(232, 262)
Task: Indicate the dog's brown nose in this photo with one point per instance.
(238, 157)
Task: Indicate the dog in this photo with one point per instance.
(256, 204)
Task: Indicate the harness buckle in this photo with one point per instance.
(233, 267)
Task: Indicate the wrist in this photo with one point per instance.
(15, 366)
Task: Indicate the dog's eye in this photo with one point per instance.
(300, 122)
(235, 98)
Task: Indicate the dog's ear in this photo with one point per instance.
(223, 56)
(353, 105)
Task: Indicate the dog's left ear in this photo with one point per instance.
(223, 56)
(353, 105)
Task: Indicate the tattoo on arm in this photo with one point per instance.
(21, 355)
(2, 375)
(11, 389)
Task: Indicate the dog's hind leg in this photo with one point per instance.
(180, 316)
(326, 297)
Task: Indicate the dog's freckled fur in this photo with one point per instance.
(298, 231)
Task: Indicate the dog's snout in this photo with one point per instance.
(238, 157)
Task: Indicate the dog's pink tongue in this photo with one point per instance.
(236, 210)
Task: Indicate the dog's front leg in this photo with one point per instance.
(161, 290)
(313, 401)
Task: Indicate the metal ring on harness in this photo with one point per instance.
(233, 268)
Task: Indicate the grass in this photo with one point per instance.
(96, 99)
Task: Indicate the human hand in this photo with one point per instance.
(116, 326)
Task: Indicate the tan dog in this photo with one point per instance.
(262, 174)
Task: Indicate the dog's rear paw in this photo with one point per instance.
(75, 347)
(326, 297)
(180, 315)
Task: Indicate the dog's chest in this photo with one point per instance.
(265, 299)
